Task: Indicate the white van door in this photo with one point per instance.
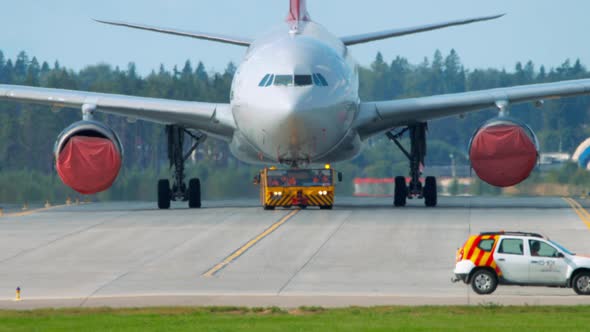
(510, 258)
(545, 265)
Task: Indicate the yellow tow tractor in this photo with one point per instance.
(297, 187)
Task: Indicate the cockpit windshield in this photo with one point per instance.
(284, 80)
(293, 80)
(300, 178)
(303, 80)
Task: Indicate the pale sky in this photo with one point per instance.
(545, 31)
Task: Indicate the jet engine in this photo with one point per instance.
(88, 156)
(503, 152)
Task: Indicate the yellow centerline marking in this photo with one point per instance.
(29, 212)
(580, 211)
(236, 254)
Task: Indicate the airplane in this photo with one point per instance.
(294, 101)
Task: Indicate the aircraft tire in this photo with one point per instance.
(163, 194)
(401, 192)
(194, 194)
(430, 192)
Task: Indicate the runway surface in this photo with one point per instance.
(364, 252)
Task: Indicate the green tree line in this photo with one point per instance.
(27, 132)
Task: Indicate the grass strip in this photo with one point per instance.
(439, 318)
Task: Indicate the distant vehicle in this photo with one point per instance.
(294, 101)
(518, 258)
(297, 187)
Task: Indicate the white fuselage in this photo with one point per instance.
(296, 122)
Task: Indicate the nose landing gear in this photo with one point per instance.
(416, 155)
(179, 190)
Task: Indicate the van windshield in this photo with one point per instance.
(562, 248)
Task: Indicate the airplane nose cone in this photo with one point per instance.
(294, 124)
(293, 116)
(294, 105)
(296, 112)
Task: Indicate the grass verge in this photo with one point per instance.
(481, 318)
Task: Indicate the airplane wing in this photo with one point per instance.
(215, 119)
(369, 37)
(377, 117)
(240, 41)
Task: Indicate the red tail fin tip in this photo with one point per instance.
(298, 11)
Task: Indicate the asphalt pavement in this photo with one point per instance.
(364, 252)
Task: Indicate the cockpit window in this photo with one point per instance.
(293, 80)
(284, 80)
(316, 80)
(303, 80)
(321, 79)
(270, 79)
(263, 82)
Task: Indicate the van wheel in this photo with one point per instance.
(484, 282)
(581, 284)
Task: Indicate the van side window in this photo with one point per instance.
(542, 249)
(510, 247)
(486, 245)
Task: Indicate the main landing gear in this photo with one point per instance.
(179, 190)
(416, 155)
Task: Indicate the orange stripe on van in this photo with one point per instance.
(472, 247)
(479, 257)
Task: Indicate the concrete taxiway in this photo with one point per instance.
(364, 252)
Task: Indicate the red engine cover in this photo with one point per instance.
(503, 155)
(88, 164)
